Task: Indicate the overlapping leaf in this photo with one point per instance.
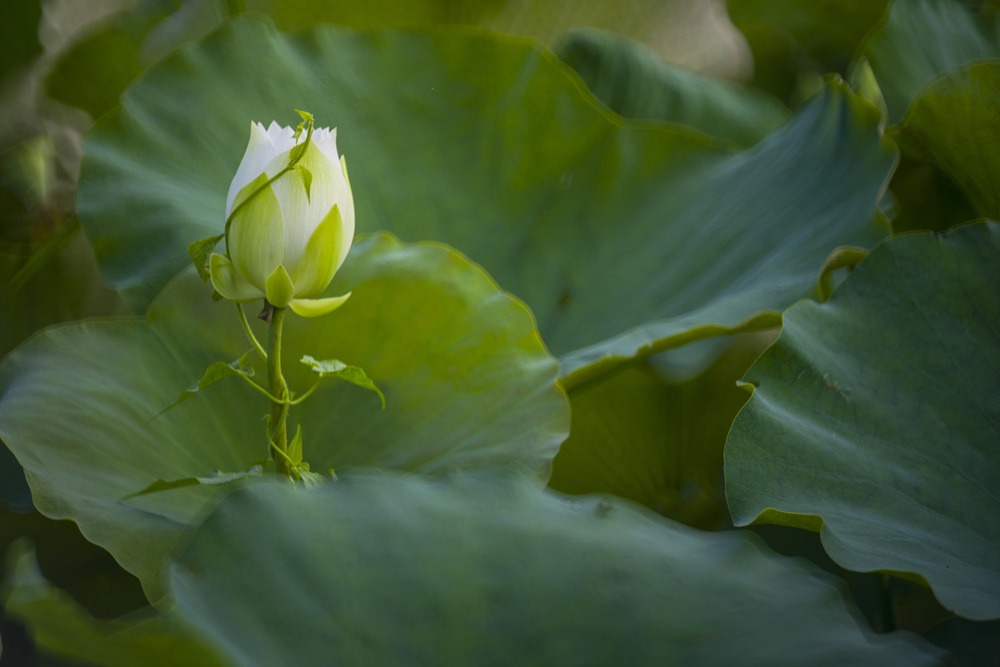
(464, 373)
(634, 82)
(954, 124)
(655, 436)
(488, 569)
(618, 237)
(796, 41)
(921, 40)
(877, 416)
(693, 33)
(61, 627)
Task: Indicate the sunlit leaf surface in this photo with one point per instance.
(465, 377)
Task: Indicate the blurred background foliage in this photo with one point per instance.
(733, 72)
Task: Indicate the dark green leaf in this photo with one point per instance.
(954, 124)
(687, 32)
(19, 35)
(876, 416)
(488, 569)
(61, 627)
(921, 40)
(795, 42)
(654, 434)
(94, 71)
(633, 81)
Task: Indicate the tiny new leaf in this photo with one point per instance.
(217, 478)
(199, 252)
(307, 179)
(338, 369)
(214, 373)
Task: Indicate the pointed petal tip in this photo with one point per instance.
(317, 307)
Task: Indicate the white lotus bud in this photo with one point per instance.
(287, 238)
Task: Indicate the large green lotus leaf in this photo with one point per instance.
(488, 569)
(875, 416)
(61, 628)
(94, 71)
(82, 569)
(693, 33)
(633, 81)
(797, 40)
(920, 40)
(58, 283)
(616, 236)
(652, 437)
(954, 123)
(465, 376)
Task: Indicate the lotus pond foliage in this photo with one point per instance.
(669, 342)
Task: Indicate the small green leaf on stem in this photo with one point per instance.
(199, 252)
(213, 374)
(310, 479)
(218, 478)
(338, 369)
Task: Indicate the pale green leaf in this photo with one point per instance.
(341, 371)
(217, 371)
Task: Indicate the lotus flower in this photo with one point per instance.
(287, 238)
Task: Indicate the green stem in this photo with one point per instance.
(279, 409)
(249, 332)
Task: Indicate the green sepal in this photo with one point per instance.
(338, 369)
(279, 288)
(228, 282)
(216, 297)
(214, 373)
(317, 307)
(199, 252)
(217, 478)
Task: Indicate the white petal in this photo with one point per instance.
(260, 150)
(326, 140)
(302, 215)
(345, 201)
(281, 136)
